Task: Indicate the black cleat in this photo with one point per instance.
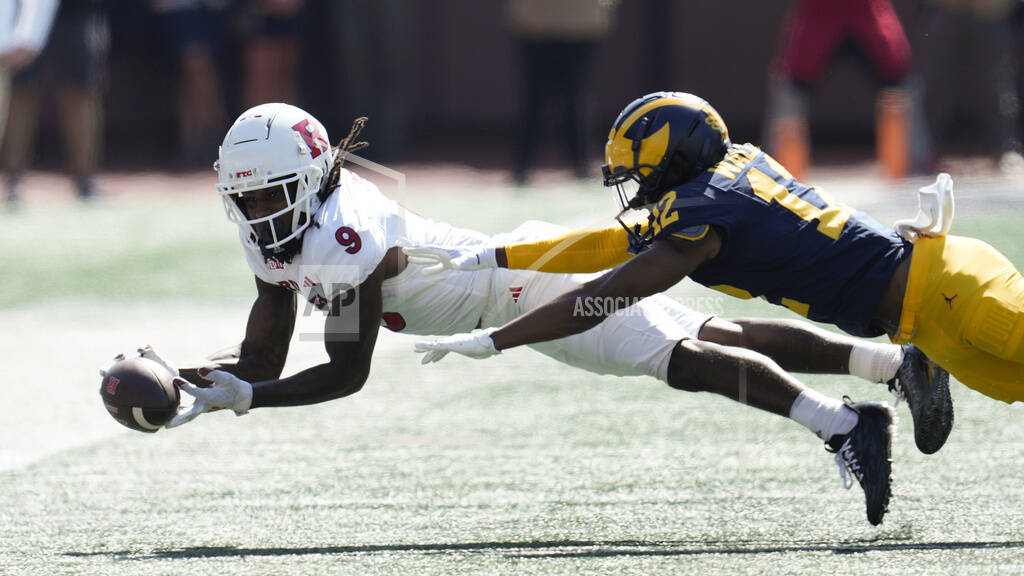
(925, 387)
(865, 454)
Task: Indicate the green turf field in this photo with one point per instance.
(515, 465)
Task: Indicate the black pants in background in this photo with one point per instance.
(555, 72)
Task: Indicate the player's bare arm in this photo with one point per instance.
(657, 269)
(349, 359)
(268, 333)
(342, 375)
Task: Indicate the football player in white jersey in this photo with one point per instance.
(312, 229)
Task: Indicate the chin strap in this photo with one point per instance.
(934, 213)
(638, 240)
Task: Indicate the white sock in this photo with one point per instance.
(822, 415)
(875, 362)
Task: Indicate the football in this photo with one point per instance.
(140, 394)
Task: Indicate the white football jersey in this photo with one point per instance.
(351, 234)
(356, 227)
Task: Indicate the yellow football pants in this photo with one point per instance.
(964, 308)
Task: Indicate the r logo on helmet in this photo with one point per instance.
(312, 137)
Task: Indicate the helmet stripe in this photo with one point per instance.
(675, 99)
(639, 113)
(653, 150)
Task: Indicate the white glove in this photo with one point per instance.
(935, 208)
(228, 391)
(148, 353)
(440, 258)
(477, 344)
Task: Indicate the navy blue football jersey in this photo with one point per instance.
(783, 241)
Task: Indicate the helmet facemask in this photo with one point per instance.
(279, 234)
(631, 194)
(282, 155)
(633, 190)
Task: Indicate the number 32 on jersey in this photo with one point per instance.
(662, 214)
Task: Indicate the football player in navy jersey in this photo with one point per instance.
(732, 218)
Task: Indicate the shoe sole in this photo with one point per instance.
(877, 501)
(932, 428)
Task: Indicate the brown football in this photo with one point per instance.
(140, 394)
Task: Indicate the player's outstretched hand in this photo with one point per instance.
(477, 344)
(227, 391)
(437, 259)
(149, 353)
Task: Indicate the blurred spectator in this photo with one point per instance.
(74, 63)
(967, 57)
(371, 45)
(194, 31)
(557, 39)
(815, 31)
(24, 28)
(270, 31)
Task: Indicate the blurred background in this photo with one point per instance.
(517, 87)
(491, 112)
